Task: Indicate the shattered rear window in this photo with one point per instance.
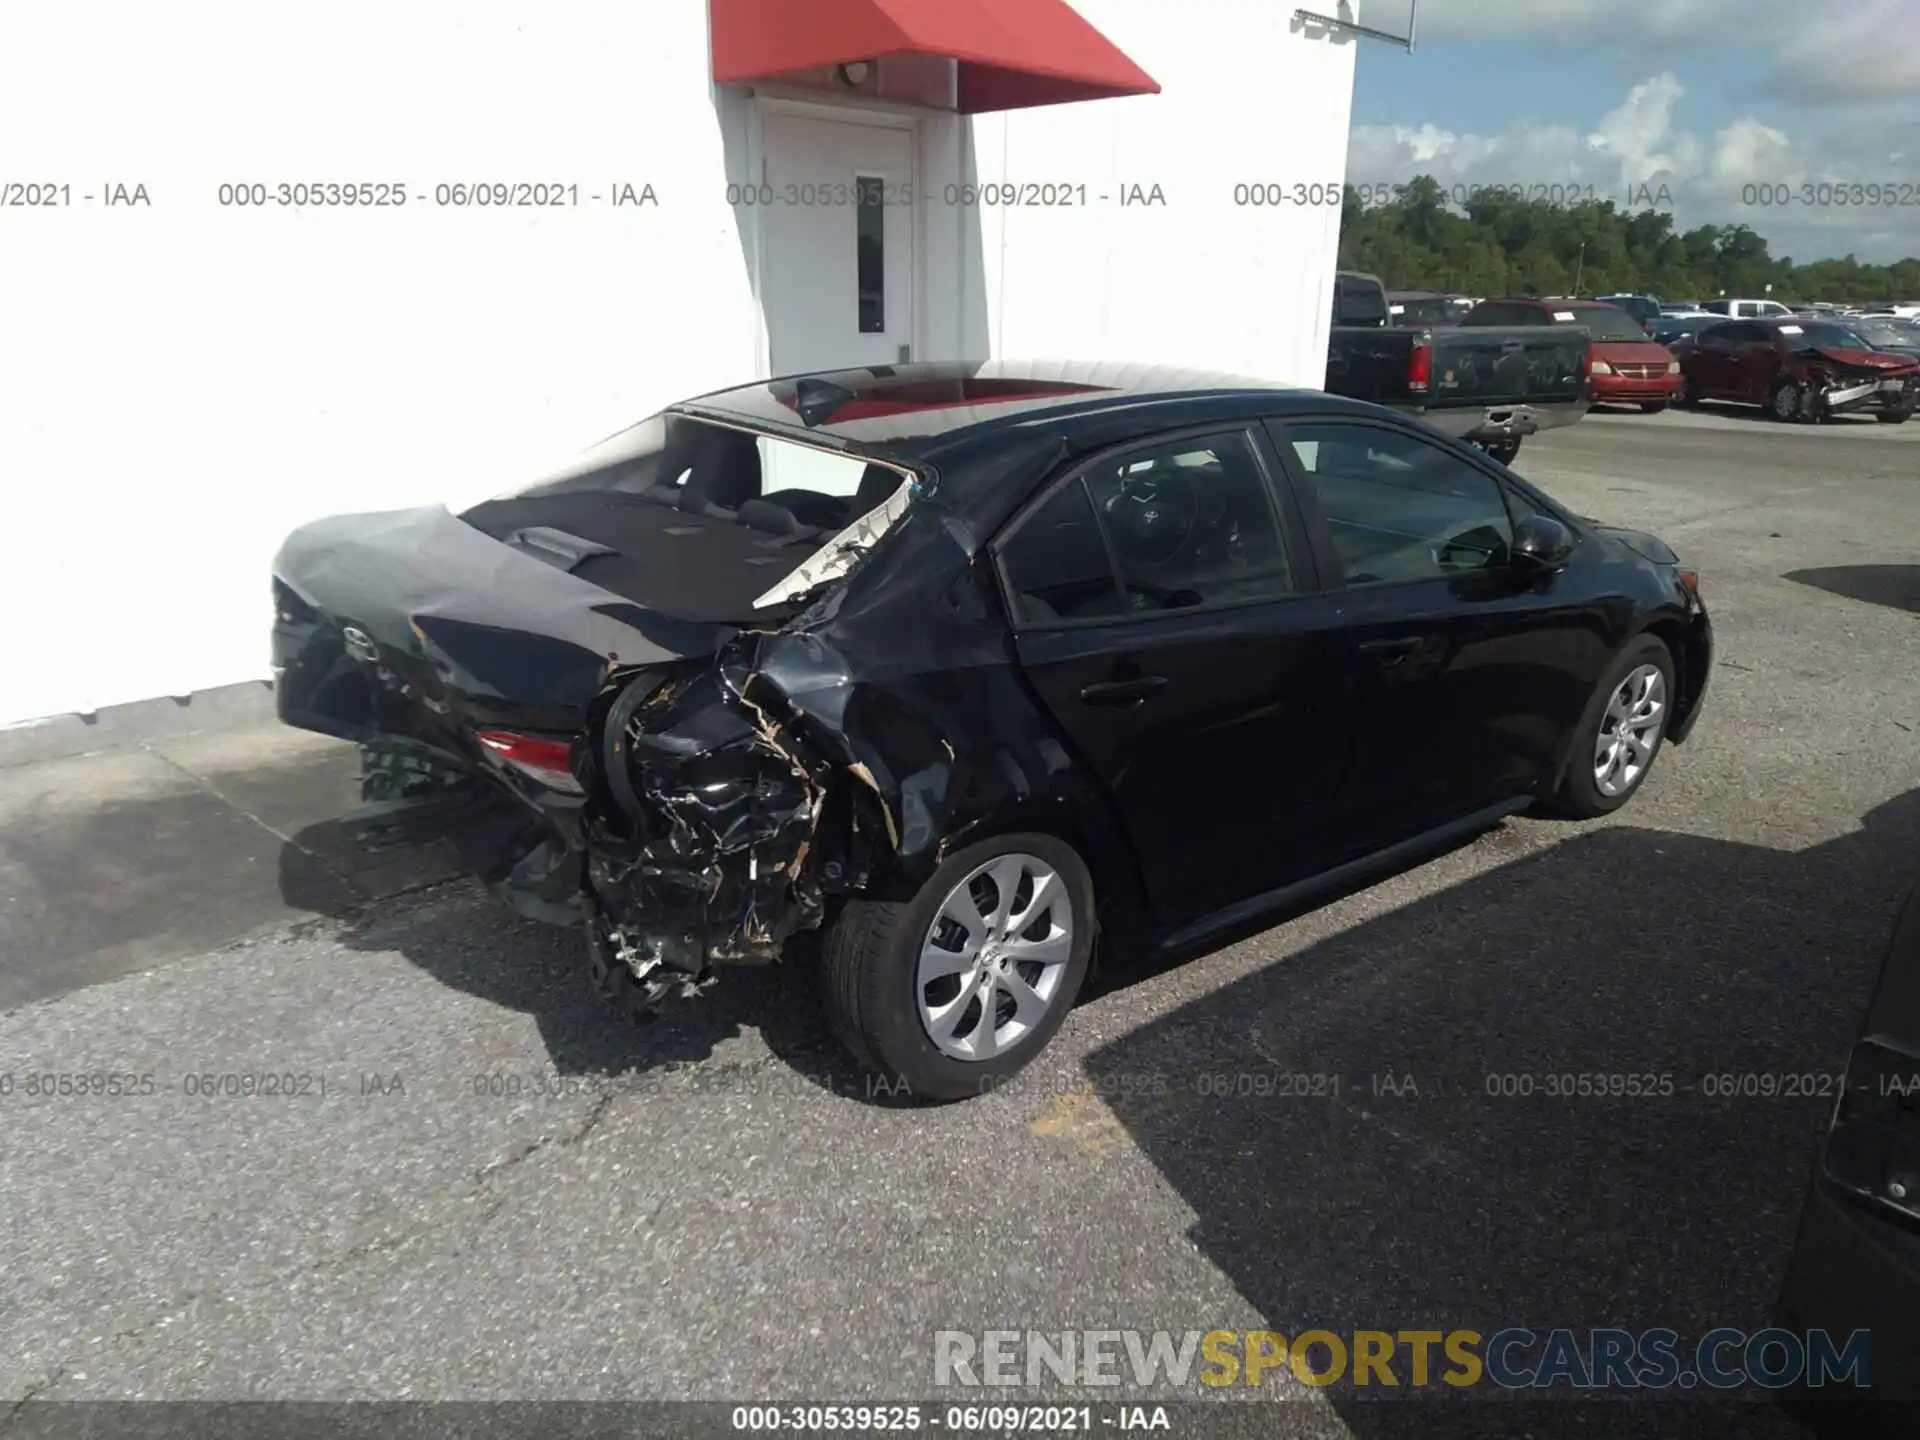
(694, 518)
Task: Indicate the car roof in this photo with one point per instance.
(967, 423)
(1558, 301)
(910, 408)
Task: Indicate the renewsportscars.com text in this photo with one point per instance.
(1513, 1359)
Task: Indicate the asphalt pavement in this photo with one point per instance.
(372, 1139)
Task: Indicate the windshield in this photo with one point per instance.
(1880, 334)
(1827, 335)
(1672, 326)
(1603, 322)
(1640, 307)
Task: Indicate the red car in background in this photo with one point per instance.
(1626, 366)
(1799, 369)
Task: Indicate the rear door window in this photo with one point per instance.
(1183, 525)
(1192, 523)
(1056, 565)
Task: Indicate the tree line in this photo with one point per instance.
(1499, 244)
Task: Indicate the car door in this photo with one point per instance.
(1167, 612)
(1708, 363)
(1751, 363)
(1466, 681)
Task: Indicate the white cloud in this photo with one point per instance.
(1636, 157)
(1862, 50)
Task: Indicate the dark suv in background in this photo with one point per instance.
(1645, 309)
(1359, 300)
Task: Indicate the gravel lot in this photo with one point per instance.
(713, 1208)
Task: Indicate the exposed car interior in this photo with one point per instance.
(1183, 525)
(728, 533)
(1192, 524)
(1400, 510)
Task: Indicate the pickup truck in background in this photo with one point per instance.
(1425, 307)
(1492, 386)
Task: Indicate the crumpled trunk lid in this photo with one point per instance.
(414, 624)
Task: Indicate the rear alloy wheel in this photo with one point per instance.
(946, 994)
(1621, 732)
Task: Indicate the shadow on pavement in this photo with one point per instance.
(1431, 1194)
(1759, 414)
(1897, 586)
(471, 942)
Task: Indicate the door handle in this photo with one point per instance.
(1391, 652)
(1121, 692)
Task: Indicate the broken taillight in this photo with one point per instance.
(1420, 369)
(535, 756)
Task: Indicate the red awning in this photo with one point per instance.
(1011, 54)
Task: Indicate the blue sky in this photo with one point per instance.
(1705, 97)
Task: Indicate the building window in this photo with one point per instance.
(870, 253)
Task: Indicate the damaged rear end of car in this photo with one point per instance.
(590, 688)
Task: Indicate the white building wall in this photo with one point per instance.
(181, 383)
(1246, 98)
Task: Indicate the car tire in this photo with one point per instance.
(885, 1009)
(1784, 403)
(1684, 395)
(1895, 417)
(1583, 795)
(1652, 407)
(1505, 451)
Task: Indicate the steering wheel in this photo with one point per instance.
(1153, 514)
(1142, 595)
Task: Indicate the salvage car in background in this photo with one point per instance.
(968, 664)
(1626, 366)
(1888, 336)
(1798, 369)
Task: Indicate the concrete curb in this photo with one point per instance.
(57, 737)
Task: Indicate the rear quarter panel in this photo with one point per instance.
(928, 712)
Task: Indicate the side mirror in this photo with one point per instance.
(1541, 545)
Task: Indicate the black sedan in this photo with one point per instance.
(966, 665)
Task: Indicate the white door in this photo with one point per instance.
(836, 251)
